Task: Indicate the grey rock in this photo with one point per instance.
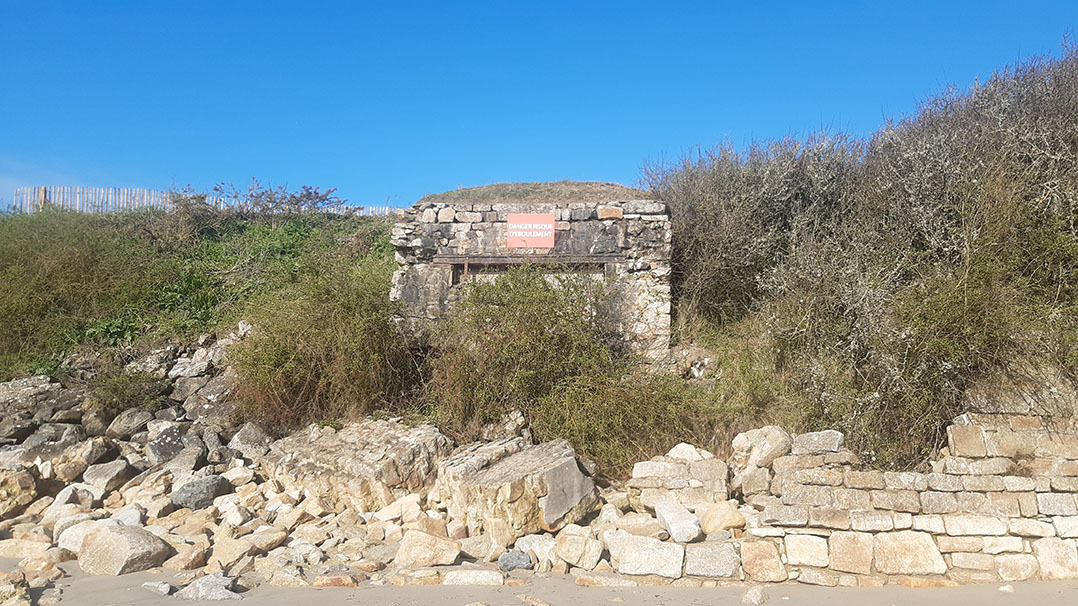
(185, 386)
(818, 442)
(755, 596)
(158, 587)
(189, 459)
(115, 550)
(128, 423)
(514, 560)
(200, 493)
(250, 441)
(210, 587)
(165, 446)
(108, 476)
(96, 422)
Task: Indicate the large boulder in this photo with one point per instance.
(18, 488)
(24, 393)
(250, 441)
(200, 493)
(760, 447)
(115, 550)
(419, 549)
(128, 423)
(363, 466)
(630, 554)
(531, 488)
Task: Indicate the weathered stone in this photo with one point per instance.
(864, 479)
(211, 587)
(688, 453)
(817, 442)
(465, 576)
(806, 550)
(938, 502)
(579, 551)
(944, 482)
(721, 516)
(973, 561)
(158, 587)
(72, 537)
(541, 546)
(108, 476)
(851, 552)
(785, 515)
(227, 552)
(1016, 567)
(200, 493)
(871, 521)
(958, 525)
(754, 480)
(188, 557)
(755, 596)
(811, 576)
(165, 446)
(1056, 504)
(18, 489)
(966, 441)
(643, 525)
(1057, 558)
(712, 559)
(631, 554)
(819, 476)
(801, 494)
(250, 441)
(908, 552)
(828, 517)
(517, 560)
(22, 548)
(531, 488)
(683, 526)
(759, 447)
(115, 550)
(128, 422)
(1031, 528)
(419, 549)
(363, 466)
(761, 561)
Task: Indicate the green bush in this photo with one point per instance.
(327, 348)
(511, 341)
(893, 273)
(119, 390)
(110, 280)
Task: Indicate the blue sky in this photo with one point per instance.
(388, 101)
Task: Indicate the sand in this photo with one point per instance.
(84, 590)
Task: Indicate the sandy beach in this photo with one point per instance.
(85, 590)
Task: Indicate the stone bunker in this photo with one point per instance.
(445, 240)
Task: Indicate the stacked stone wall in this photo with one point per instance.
(999, 505)
(439, 244)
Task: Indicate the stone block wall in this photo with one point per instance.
(999, 505)
(441, 245)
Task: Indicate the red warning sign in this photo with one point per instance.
(530, 230)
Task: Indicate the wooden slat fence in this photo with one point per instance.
(127, 199)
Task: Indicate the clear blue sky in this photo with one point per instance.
(392, 100)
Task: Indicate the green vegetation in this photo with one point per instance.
(893, 273)
(117, 280)
(861, 284)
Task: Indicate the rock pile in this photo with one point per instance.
(190, 489)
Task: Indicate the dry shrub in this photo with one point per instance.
(329, 350)
(894, 273)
